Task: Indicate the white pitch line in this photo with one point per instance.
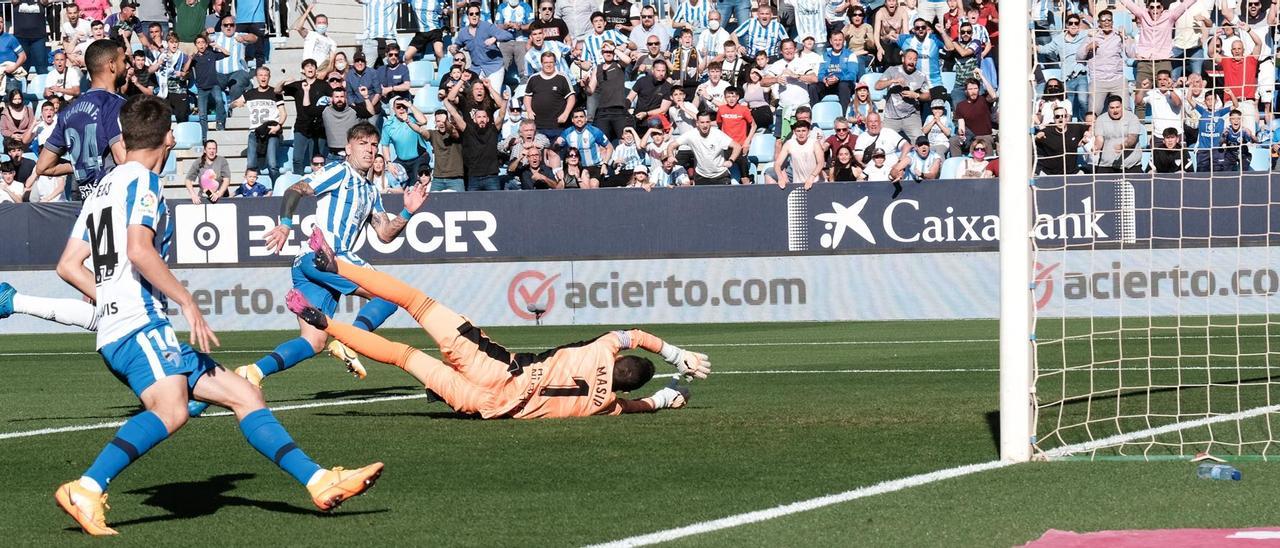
(803, 506)
(114, 424)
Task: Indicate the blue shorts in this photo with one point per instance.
(151, 353)
(321, 288)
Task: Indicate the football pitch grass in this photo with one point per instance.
(792, 412)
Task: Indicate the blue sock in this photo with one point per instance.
(266, 435)
(286, 355)
(374, 313)
(136, 437)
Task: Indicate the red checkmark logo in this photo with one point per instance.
(1044, 284)
(531, 289)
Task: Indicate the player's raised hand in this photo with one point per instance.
(277, 237)
(693, 364)
(415, 197)
(201, 333)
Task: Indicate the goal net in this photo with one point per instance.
(1153, 334)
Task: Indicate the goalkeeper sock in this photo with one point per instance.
(73, 312)
(266, 434)
(286, 355)
(135, 438)
(374, 313)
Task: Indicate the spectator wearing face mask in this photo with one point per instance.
(316, 45)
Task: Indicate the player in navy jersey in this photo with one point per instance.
(88, 128)
(346, 202)
(117, 229)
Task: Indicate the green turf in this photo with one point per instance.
(751, 439)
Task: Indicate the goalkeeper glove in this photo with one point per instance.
(689, 364)
(671, 396)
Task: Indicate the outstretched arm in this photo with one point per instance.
(388, 226)
(691, 364)
(280, 234)
(671, 396)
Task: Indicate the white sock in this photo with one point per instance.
(90, 484)
(316, 476)
(64, 311)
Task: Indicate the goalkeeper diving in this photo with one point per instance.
(480, 376)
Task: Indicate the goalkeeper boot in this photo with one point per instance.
(326, 260)
(6, 299)
(300, 306)
(337, 485)
(252, 374)
(348, 358)
(87, 507)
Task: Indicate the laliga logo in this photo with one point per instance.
(1044, 284)
(531, 294)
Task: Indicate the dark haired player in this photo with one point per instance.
(480, 376)
(124, 222)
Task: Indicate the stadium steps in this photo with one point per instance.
(346, 25)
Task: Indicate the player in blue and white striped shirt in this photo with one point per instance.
(762, 33)
(117, 230)
(692, 15)
(232, 75)
(593, 42)
(347, 202)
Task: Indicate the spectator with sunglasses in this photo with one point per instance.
(650, 27)
(1155, 39)
(1057, 145)
(393, 77)
(1065, 47)
(860, 36)
(553, 28)
(481, 40)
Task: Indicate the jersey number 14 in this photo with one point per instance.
(102, 239)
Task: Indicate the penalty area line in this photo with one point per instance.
(739, 520)
(116, 424)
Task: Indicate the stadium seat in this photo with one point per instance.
(1052, 74)
(761, 153)
(427, 99)
(949, 80)
(263, 179)
(829, 99)
(870, 80)
(419, 73)
(825, 114)
(35, 88)
(283, 182)
(187, 135)
(170, 165)
(1261, 160)
(951, 168)
(1146, 160)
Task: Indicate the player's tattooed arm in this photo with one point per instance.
(277, 237)
(388, 226)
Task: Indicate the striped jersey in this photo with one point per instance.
(693, 15)
(428, 13)
(130, 195)
(593, 43)
(811, 20)
(756, 37)
(533, 57)
(344, 201)
(380, 18)
(589, 141)
(86, 129)
(520, 14)
(919, 166)
(234, 61)
(930, 50)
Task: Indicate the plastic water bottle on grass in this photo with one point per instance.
(1215, 471)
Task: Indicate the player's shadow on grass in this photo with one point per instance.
(366, 392)
(191, 499)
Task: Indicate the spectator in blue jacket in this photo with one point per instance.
(251, 188)
(480, 38)
(839, 71)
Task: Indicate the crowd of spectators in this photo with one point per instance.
(661, 93)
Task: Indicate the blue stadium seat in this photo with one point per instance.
(1146, 160)
(170, 165)
(35, 88)
(829, 99)
(263, 179)
(427, 99)
(825, 114)
(1261, 160)
(283, 183)
(948, 80)
(187, 135)
(870, 80)
(951, 168)
(419, 73)
(1054, 74)
(761, 153)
